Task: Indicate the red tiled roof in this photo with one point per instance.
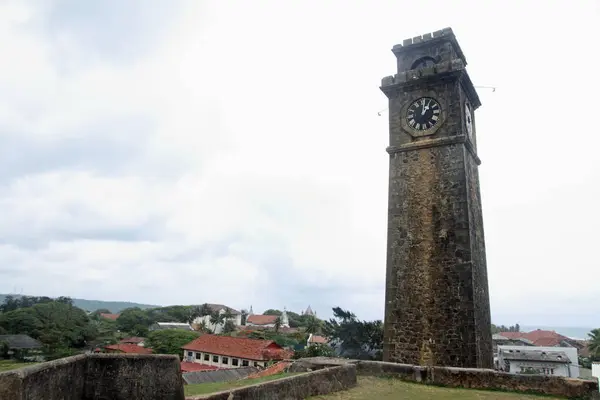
(538, 337)
(272, 370)
(261, 319)
(538, 334)
(512, 335)
(134, 340)
(192, 367)
(251, 349)
(128, 348)
(547, 342)
(318, 339)
(110, 316)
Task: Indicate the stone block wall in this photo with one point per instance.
(97, 377)
(485, 379)
(62, 379)
(129, 377)
(295, 387)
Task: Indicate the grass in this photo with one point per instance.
(204, 388)
(7, 365)
(392, 389)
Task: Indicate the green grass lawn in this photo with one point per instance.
(204, 388)
(392, 389)
(7, 365)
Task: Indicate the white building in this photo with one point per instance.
(221, 309)
(267, 321)
(596, 370)
(558, 361)
(232, 352)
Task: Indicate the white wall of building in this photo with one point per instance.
(219, 361)
(596, 370)
(571, 352)
(237, 321)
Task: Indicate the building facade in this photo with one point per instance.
(437, 309)
(538, 361)
(206, 320)
(232, 352)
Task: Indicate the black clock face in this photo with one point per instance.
(423, 114)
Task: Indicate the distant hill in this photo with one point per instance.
(93, 305)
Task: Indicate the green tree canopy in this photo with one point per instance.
(357, 339)
(169, 341)
(57, 324)
(594, 343)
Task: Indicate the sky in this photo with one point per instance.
(182, 152)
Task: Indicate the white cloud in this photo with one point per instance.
(239, 158)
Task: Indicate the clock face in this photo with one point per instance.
(423, 114)
(468, 119)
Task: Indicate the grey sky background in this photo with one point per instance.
(177, 152)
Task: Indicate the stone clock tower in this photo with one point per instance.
(437, 309)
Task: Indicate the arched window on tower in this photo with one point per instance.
(424, 62)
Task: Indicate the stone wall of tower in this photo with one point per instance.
(481, 297)
(437, 303)
(430, 315)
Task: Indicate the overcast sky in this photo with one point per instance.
(171, 152)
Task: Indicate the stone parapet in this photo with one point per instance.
(296, 387)
(485, 379)
(97, 377)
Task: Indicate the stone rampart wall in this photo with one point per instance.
(295, 387)
(485, 379)
(97, 377)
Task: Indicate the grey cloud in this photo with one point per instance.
(119, 30)
(105, 147)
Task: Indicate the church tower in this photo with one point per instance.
(437, 309)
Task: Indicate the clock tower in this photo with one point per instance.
(437, 309)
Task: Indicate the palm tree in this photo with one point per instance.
(244, 316)
(594, 344)
(204, 310)
(227, 315)
(216, 319)
(312, 325)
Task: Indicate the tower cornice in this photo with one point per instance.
(392, 85)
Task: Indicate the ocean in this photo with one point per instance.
(568, 331)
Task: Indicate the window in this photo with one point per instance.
(216, 359)
(206, 357)
(234, 362)
(198, 356)
(245, 363)
(225, 360)
(190, 354)
(255, 364)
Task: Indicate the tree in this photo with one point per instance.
(228, 327)
(357, 339)
(169, 341)
(216, 319)
(134, 321)
(227, 315)
(314, 350)
(57, 324)
(244, 316)
(277, 324)
(271, 311)
(313, 325)
(594, 342)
